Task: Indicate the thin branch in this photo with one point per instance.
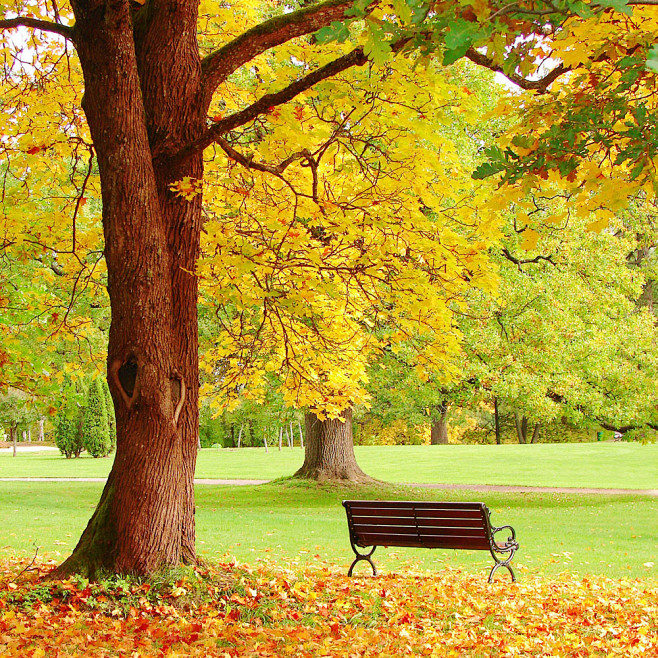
(229, 58)
(37, 24)
(519, 262)
(81, 196)
(355, 58)
(541, 85)
(247, 161)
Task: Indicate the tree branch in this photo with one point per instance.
(37, 24)
(355, 58)
(540, 85)
(247, 161)
(561, 399)
(221, 63)
(518, 262)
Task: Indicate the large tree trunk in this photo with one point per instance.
(439, 429)
(329, 452)
(145, 518)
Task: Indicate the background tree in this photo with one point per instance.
(17, 411)
(347, 267)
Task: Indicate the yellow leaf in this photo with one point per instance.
(598, 225)
(530, 238)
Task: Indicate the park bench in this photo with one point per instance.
(426, 525)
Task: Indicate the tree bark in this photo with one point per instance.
(535, 434)
(145, 518)
(329, 452)
(13, 431)
(439, 429)
(521, 427)
(497, 422)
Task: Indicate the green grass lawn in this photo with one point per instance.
(297, 523)
(616, 465)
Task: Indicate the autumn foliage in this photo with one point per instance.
(228, 610)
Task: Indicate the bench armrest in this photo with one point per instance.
(511, 540)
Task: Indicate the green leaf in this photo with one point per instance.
(378, 51)
(359, 9)
(461, 34)
(451, 56)
(377, 47)
(617, 5)
(652, 59)
(494, 165)
(582, 9)
(337, 31)
(487, 169)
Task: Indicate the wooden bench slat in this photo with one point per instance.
(389, 540)
(380, 539)
(365, 528)
(418, 506)
(353, 504)
(448, 514)
(466, 543)
(433, 531)
(419, 520)
(449, 523)
(422, 536)
(453, 532)
(420, 513)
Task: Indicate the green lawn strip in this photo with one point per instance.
(597, 465)
(295, 524)
(51, 464)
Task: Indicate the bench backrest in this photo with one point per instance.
(418, 524)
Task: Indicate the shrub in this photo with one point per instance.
(68, 437)
(95, 425)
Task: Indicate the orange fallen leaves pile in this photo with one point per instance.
(227, 610)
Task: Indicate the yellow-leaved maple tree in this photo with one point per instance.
(153, 91)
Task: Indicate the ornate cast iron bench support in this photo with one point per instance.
(508, 548)
(362, 556)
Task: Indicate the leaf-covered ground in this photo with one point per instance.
(230, 610)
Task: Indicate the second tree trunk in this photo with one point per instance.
(329, 451)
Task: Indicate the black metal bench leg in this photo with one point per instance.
(502, 563)
(363, 556)
(497, 566)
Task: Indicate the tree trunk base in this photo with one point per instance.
(322, 475)
(329, 452)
